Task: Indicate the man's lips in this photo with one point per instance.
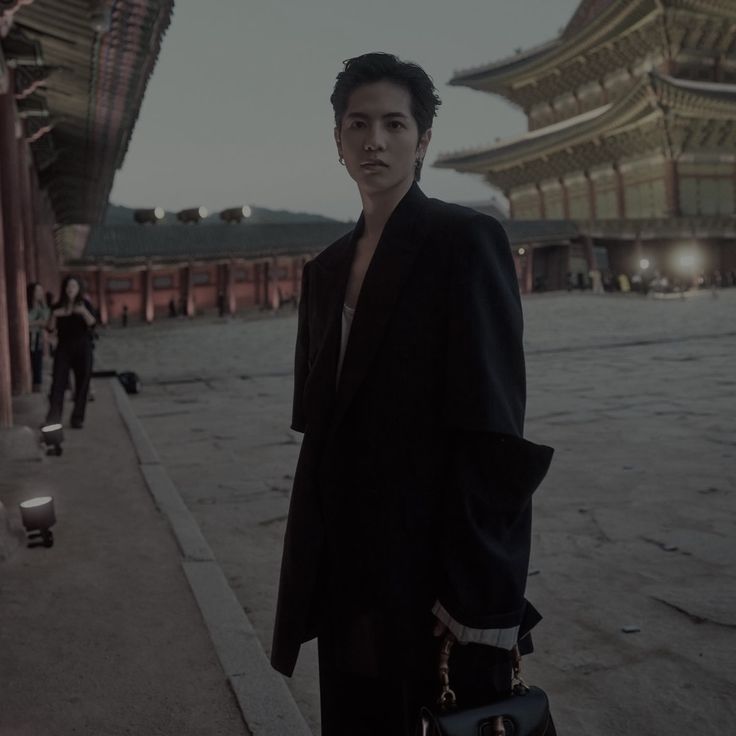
(373, 162)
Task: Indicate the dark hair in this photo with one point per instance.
(377, 67)
(63, 298)
(30, 291)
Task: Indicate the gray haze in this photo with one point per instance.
(238, 111)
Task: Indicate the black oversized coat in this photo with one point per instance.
(413, 483)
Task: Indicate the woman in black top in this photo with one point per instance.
(73, 322)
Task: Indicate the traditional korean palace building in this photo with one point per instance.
(631, 135)
(72, 77)
(198, 268)
(144, 268)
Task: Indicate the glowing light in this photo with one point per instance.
(687, 260)
(33, 502)
(159, 213)
(522, 251)
(644, 264)
(202, 212)
(247, 211)
(51, 428)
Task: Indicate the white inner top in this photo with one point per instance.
(347, 322)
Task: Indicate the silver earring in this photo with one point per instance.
(341, 160)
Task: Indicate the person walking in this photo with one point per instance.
(38, 317)
(72, 322)
(410, 516)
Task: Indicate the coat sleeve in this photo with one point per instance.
(492, 470)
(301, 355)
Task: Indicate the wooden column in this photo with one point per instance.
(101, 295)
(542, 203)
(672, 193)
(186, 290)
(589, 253)
(529, 271)
(565, 199)
(15, 267)
(591, 195)
(620, 199)
(275, 295)
(148, 311)
(6, 404)
(231, 303)
(28, 212)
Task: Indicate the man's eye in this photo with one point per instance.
(357, 124)
(396, 124)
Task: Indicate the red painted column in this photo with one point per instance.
(229, 276)
(29, 236)
(6, 404)
(15, 268)
(273, 284)
(148, 294)
(257, 271)
(529, 271)
(186, 291)
(101, 295)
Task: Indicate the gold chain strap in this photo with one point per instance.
(448, 699)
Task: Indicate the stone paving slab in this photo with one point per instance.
(636, 395)
(100, 635)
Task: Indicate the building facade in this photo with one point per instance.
(153, 271)
(631, 134)
(72, 78)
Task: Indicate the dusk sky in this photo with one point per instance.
(237, 110)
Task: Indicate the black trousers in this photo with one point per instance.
(364, 691)
(37, 366)
(76, 357)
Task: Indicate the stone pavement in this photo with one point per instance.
(100, 635)
(634, 524)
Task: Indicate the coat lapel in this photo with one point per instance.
(395, 253)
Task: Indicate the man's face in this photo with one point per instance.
(378, 137)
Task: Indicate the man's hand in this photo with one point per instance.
(439, 628)
(497, 727)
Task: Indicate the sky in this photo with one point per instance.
(237, 110)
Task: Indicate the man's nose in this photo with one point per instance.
(374, 140)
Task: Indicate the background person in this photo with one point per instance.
(72, 322)
(38, 317)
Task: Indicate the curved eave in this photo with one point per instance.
(504, 70)
(504, 77)
(94, 92)
(650, 97)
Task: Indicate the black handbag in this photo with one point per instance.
(525, 713)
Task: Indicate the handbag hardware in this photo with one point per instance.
(524, 713)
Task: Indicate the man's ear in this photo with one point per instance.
(424, 143)
(338, 142)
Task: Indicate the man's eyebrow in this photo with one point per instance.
(363, 116)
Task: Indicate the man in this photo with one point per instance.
(410, 515)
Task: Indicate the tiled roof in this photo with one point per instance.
(126, 243)
(178, 242)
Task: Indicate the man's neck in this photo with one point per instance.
(377, 208)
